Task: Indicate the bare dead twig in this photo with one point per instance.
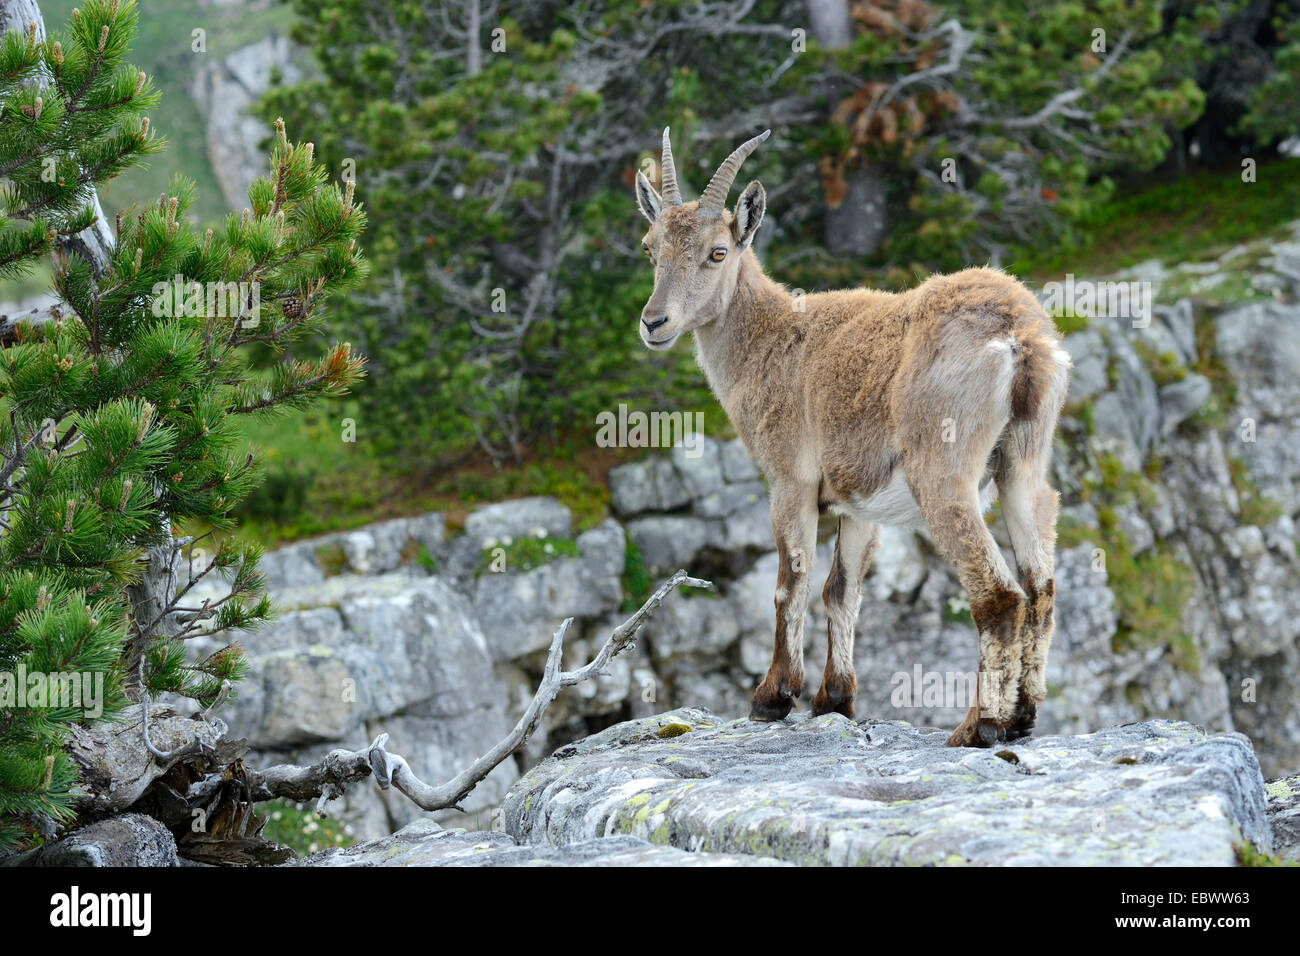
(331, 776)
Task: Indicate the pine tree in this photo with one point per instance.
(497, 157)
(120, 407)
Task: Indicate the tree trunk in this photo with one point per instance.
(474, 65)
(859, 223)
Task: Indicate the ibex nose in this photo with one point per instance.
(652, 324)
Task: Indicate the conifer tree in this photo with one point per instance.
(120, 406)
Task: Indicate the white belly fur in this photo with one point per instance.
(894, 505)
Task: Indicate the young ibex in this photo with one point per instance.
(882, 408)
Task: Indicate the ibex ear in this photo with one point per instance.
(749, 213)
(648, 199)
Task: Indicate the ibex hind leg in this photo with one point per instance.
(1029, 507)
(1037, 577)
(997, 606)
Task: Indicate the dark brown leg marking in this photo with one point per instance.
(774, 697)
(1038, 622)
(1000, 613)
(1022, 724)
(837, 691)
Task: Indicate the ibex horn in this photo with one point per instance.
(668, 175)
(715, 193)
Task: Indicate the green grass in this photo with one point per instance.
(1068, 323)
(1201, 215)
(637, 583)
(1249, 855)
(1253, 507)
(1165, 367)
(524, 553)
(296, 826)
(317, 482)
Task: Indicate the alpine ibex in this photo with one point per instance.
(882, 408)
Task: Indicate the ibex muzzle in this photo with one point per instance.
(908, 409)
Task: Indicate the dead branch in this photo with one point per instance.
(331, 776)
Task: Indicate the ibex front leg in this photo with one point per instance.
(855, 546)
(794, 525)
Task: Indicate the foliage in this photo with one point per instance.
(298, 827)
(996, 128)
(507, 289)
(118, 412)
(1275, 103)
(1273, 111)
(637, 583)
(497, 168)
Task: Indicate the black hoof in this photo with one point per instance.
(973, 732)
(988, 733)
(832, 704)
(1022, 723)
(772, 706)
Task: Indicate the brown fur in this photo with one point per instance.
(837, 394)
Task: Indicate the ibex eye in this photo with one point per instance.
(718, 254)
(646, 250)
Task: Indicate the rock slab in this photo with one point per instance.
(828, 791)
(1284, 813)
(131, 839)
(424, 843)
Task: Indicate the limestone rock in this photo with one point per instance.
(1089, 354)
(517, 519)
(426, 844)
(829, 791)
(669, 542)
(1284, 814)
(649, 485)
(736, 463)
(699, 464)
(131, 839)
(520, 611)
(224, 92)
(1180, 400)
